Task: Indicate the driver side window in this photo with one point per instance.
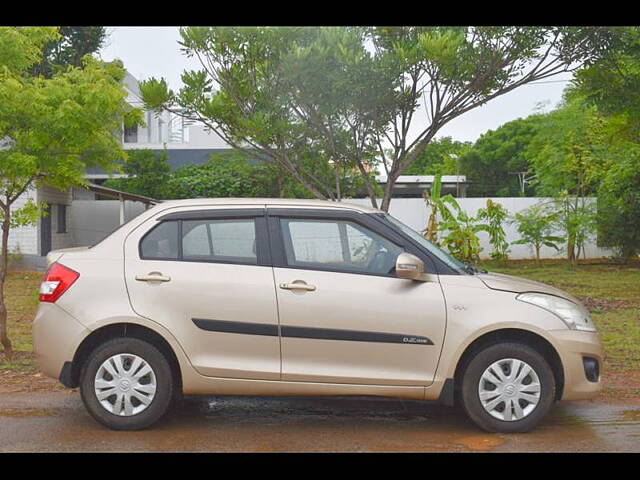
(337, 245)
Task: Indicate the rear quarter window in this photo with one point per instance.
(161, 242)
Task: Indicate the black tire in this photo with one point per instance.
(470, 397)
(164, 394)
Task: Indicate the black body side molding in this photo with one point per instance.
(287, 331)
(226, 326)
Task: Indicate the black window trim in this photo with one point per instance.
(263, 250)
(364, 220)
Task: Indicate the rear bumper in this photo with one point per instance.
(574, 346)
(56, 336)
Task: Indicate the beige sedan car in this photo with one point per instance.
(297, 297)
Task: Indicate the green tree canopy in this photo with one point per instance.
(69, 49)
(493, 162)
(440, 157)
(147, 173)
(612, 85)
(295, 93)
(50, 129)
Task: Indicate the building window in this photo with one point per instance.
(131, 134)
(62, 219)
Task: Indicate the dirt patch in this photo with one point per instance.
(481, 443)
(22, 375)
(620, 387)
(600, 305)
(26, 412)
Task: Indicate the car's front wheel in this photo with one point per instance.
(127, 384)
(507, 387)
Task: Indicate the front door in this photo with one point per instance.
(206, 276)
(344, 316)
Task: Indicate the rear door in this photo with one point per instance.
(344, 315)
(206, 276)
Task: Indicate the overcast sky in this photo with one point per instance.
(154, 52)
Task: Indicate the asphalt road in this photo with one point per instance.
(58, 422)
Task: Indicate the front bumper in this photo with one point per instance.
(573, 347)
(56, 337)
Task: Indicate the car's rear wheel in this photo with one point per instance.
(507, 387)
(127, 384)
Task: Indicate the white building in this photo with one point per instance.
(186, 142)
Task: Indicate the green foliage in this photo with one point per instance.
(461, 231)
(148, 173)
(492, 163)
(494, 214)
(232, 174)
(295, 94)
(458, 230)
(565, 153)
(456, 69)
(20, 48)
(619, 205)
(613, 82)
(535, 225)
(69, 49)
(50, 128)
(612, 85)
(224, 175)
(440, 157)
(434, 202)
(576, 216)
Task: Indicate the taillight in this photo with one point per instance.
(57, 280)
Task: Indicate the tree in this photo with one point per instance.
(357, 102)
(283, 96)
(69, 49)
(147, 173)
(613, 85)
(454, 70)
(494, 214)
(50, 129)
(618, 215)
(567, 157)
(440, 157)
(494, 161)
(535, 225)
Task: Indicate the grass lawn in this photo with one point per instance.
(611, 292)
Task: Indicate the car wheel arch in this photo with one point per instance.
(123, 330)
(527, 337)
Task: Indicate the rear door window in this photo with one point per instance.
(228, 240)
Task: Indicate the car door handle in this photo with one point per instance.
(297, 286)
(153, 277)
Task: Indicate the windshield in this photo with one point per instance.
(452, 262)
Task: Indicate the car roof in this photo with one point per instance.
(269, 202)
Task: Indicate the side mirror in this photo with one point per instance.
(410, 267)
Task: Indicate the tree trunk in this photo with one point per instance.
(388, 190)
(571, 248)
(4, 260)
(537, 253)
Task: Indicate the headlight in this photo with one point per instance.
(567, 311)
